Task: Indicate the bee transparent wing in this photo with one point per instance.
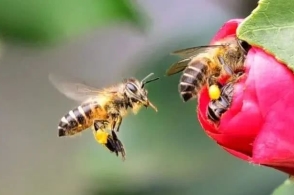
(177, 67)
(73, 90)
(188, 54)
(192, 51)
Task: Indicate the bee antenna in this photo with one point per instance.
(145, 78)
(151, 80)
(145, 81)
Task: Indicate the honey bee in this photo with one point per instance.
(205, 64)
(102, 109)
(219, 106)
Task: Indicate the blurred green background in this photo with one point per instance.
(167, 152)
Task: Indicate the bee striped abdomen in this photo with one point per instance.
(78, 119)
(192, 80)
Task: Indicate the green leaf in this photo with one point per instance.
(271, 26)
(53, 20)
(287, 188)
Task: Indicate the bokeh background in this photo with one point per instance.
(167, 152)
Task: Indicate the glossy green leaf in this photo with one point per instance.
(287, 188)
(271, 26)
(50, 21)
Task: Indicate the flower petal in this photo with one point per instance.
(228, 29)
(244, 117)
(238, 154)
(275, 141)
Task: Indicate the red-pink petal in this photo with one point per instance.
(228, 29)
(274, 82)
(238, 154)
(245, 108)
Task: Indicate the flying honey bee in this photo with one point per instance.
(219, 106)
(102, 109)
(205, 64)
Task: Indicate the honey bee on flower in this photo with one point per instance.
(258, 126)
(205, 65)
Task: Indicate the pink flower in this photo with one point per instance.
(259, 126)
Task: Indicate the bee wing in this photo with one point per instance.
(73, 90)
(177, 67)
(192, 51)
(188, 54)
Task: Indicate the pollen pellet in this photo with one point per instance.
(214, 92)
(101, 136)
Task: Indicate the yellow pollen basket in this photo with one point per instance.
(101, 137)
(214, 92)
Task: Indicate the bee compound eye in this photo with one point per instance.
(244, 45)
(132, 87)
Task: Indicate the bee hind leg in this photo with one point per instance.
(111, 142)
(212, 80)
(116, 123)
(236, 76)
(119, 145)
(239, 74)
(100, 135)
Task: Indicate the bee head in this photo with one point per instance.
(136, 92)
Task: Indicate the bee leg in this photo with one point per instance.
(227, 68)
(236, 76)
(239, 74)
(100, 124)
(111, 142)
(113, 124)
(212, 80)
(115, 127)
(103, 137)
(117, 120)
(119, 145)
(100, 135)
(117, 123)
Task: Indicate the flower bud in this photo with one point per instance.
(259, 125)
